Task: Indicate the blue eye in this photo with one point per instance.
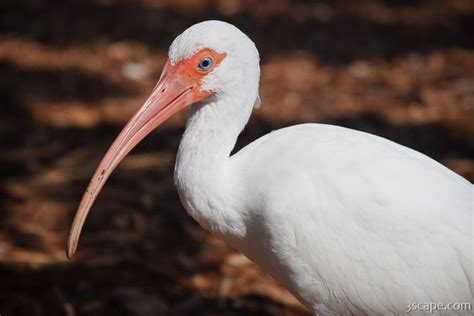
(205, 63)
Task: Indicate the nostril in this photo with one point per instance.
(163, 90)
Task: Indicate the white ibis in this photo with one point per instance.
(349, 222)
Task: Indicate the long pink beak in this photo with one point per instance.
(172, 93)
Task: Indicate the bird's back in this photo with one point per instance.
(352, 222)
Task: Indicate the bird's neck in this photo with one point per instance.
(206, 182)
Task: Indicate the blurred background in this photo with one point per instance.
(73, 72)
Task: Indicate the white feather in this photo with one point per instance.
(348, 221)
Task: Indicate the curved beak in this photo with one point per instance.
(173, 92)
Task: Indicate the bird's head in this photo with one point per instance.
(209, 60)
(216, 58)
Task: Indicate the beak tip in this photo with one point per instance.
(70, 250)
(69, 253)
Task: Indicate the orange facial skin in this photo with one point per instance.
(188, 69)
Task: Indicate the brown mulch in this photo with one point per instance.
(71, 74)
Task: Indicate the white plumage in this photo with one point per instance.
(349, 222)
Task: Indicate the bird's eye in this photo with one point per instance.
(205, 63)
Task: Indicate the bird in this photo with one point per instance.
(349, 222)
